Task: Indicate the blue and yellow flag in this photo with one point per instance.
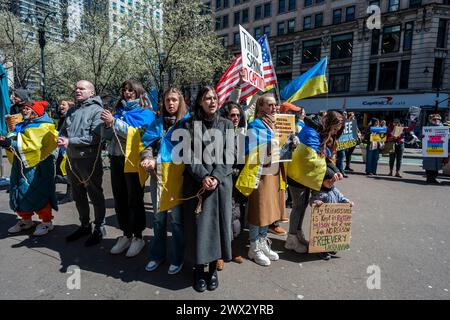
(308, 167)
(258, 140)
(34, 140)
(311, 83)
(170, 174)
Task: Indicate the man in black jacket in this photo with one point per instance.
(20, 98)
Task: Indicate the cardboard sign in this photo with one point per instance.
(330, 228)
(252, 63)
(285, 129)
(349, 137)
(397, 132)
(435, 142)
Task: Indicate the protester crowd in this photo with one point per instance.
(211, 199)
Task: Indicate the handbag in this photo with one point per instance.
(389, 147)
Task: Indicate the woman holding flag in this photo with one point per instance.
(208, 184)
(122, 130)
(157, 141)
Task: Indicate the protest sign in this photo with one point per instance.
(285, 128)
(330, 228)
(252, 63)
(378, 134)
(397, 132)
(435, 142)
(349, 136)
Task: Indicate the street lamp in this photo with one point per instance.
(439, 54)
(42, 43)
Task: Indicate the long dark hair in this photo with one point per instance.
(138, 89)
(330, 121)
(199, 114)
(230, 105)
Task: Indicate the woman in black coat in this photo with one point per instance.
(208, 233)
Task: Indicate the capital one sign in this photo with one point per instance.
(252, 62)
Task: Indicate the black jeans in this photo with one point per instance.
(128, 198)
(348, 156)
(397, 155)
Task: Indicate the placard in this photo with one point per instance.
(435, 142)
(285, 128)
(330, 228)
(349, 136)
(378, 134)
(252, 63)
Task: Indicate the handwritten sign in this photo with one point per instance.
(330, 228)
(284, 126)
(252, 63)
(435, 142)
(349, 136)
(397, 132)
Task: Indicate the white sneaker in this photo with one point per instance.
(136, 246)
(43, 228)
(265, 247)
(21, 225)
(121, 245)
(293, 243)
(173, 269)
(152, 265)
(255, 253)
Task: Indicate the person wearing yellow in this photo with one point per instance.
(32, 144)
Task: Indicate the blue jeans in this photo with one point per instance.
(372, 160)
(256, 232)
(158, 247)
(340, 157)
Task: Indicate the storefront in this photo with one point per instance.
(382, 107)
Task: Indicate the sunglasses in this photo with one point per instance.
(234, 115)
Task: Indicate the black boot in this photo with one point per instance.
(94, 238)
(79, 233)
(68, 197)
(213, 280)
(199, 278)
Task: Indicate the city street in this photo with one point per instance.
(400, 226)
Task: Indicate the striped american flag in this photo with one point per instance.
(230, 78)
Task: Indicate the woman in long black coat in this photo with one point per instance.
(208, 233)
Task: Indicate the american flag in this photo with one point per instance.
(230, 78)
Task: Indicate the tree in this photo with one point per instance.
(18, 48)
(179, 49)
(98, 54)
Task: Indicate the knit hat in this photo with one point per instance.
(39, 107)
(23, 94)
(286, 106)
(329, 174)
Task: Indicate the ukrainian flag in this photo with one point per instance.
(308, 166)
(258, 136)
(137, 119)
(34, 140)
(170, 174)
(311, 83)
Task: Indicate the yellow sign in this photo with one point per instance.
(284, 126)
(330, 228)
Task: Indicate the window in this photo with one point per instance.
(218, 23)
(292, 4)
(388, 76)
(374, 3)
(437, 73)
(285, 54)
(442, 34)
(307, 23)
(337, 16)
(391, 39)
(257, 33)
(245, 15)
(122, 9)
(393, 5)
(404, 74)
(236, 38)
(226, 3)
(266, 30)
(375, 41)
(258, 12)
(267, 10)
(225, 22)
(114, 6)
(408, 36)
(415, 3)
(342, 46)
(372, 77)
(311, 50)
(237, 18)
(283, 80)
(319, 1)
(339, 82)
(218, 4)
(350, 14)
(308, 3)
(280, 28)
(281, 6)
(237, 2)
(291, 26)
(318, 20)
